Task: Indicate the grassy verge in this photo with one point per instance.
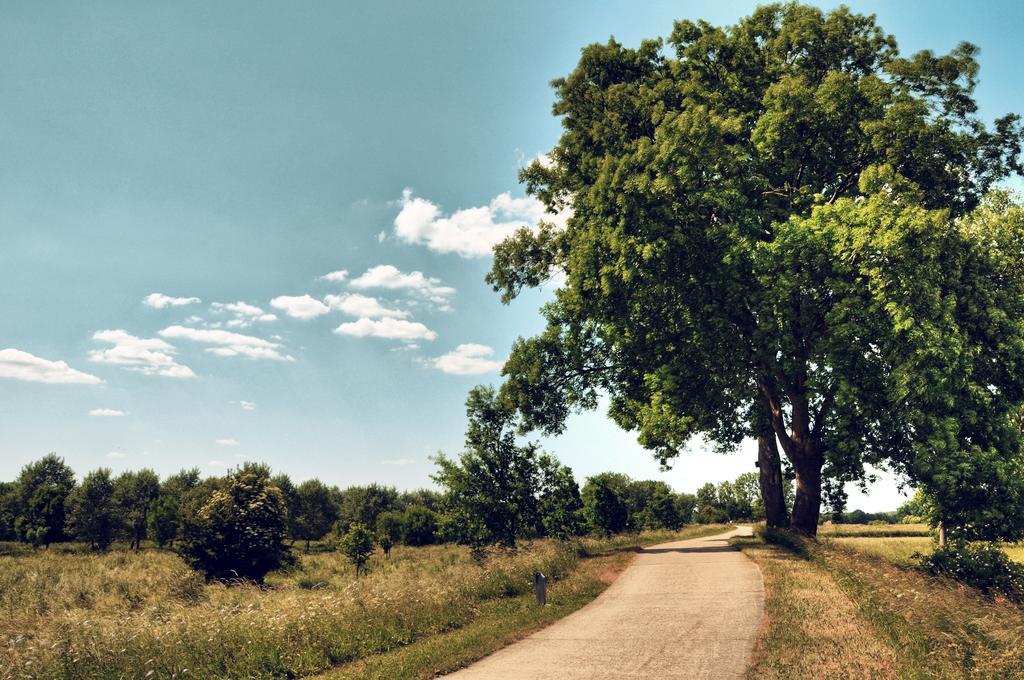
(497, 623)
(841, 612)
(138, 615)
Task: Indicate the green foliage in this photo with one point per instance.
(362, 504)
(135, 494)
(604, 504)
(92, 511)
(239, 529)
(390, 526)
(427, 498)
(42, 488)
(559, 504)
(660, 510)
(291, 503)
(8, 510)
(982, 565)
(357, 544)
(498, 491)
(318, 510)
(165, 514)
(783, 220)
(419, 525)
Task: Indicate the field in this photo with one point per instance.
(137, 615)
(852, 606)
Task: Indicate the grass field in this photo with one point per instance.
(850, 608)
(141, 615)
(876, 530)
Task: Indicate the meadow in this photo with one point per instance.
(146, 614)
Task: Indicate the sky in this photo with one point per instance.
(258, 231)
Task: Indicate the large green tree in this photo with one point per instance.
(724, 276)
(92, 511)
(41, 489)
(318, 510)
(165, 514)
(136, 494)
(499, 490)
(235, 527)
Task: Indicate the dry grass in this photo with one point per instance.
(138, 615)
(849, 611)
(811, 627)
(877, 530)
(899, 550)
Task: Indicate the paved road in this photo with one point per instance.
(688, 609)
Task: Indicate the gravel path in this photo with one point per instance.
(688, 609)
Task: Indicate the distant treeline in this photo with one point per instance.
(46, 505)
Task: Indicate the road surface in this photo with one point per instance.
(688, 609)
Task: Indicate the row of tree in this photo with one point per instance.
(496, 493)
(45, 505)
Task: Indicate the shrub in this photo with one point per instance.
(389, 530)
(981, 565)
(357, 544)
(239, 531)
(912, 519)
(877, 523)
(419, 525)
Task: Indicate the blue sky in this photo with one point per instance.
(178, 180)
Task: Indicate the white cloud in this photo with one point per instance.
(470, 232)
(115, 454)
(245, 314)
(151, 356)
(107, 413)
(227, 442)
(468, 359)
(159, 301)
(388, 328)
(19, 365)
(336, 277)
(381, 236)
(217, 463)
(390, 277)
(247, 405)
(300, 306)
(229, 344)
(355, 304)
(398, 462)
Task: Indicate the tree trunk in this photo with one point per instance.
(807, 506)
(770, 478)
(942, 535)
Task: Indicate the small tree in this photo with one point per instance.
(604, 505)
(362, 504)
(239, 530)
(291, 503)
(8, 510)
(92, 512)
(490, 490)
(357, 545)
(686, 506)
(318, 510)
(136, 493)
(43, 487)
(559, 505)
(389, 530)
(419, 525)
(660, 510)
(165, 514)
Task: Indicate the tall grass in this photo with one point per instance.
(139, 615)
